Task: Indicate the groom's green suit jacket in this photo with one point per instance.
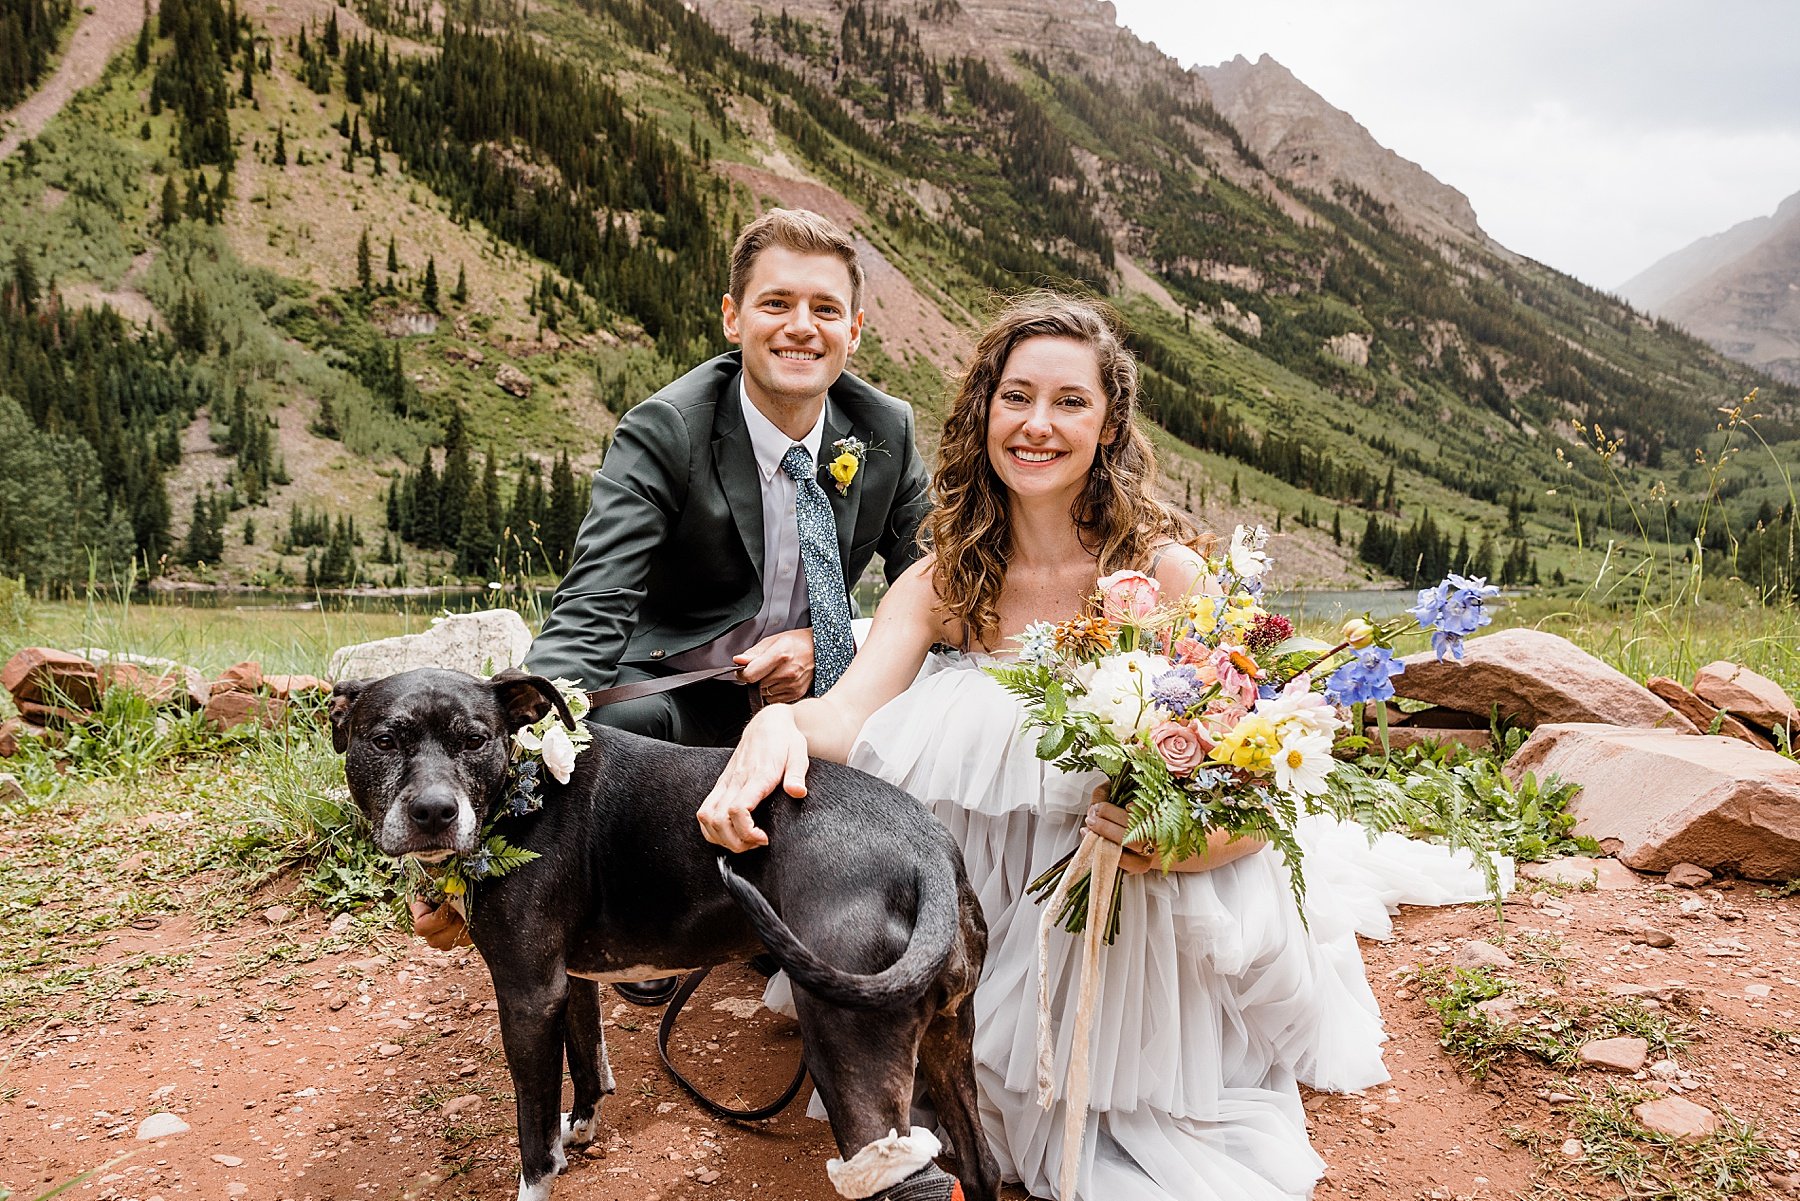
(669, 556)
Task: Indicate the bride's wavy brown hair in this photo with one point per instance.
(1118, 517)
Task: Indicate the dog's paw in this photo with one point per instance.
(578, 1134)
(536, 1192)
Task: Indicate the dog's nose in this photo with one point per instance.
(432, 811)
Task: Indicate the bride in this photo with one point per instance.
(1215, 1001)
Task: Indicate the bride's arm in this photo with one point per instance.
(781, 738)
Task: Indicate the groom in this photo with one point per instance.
(725, 527)
(738, 504)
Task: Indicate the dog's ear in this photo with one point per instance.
(343, 696)
(526, 698)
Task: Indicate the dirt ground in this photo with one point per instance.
(312, 1065)
(102, 28)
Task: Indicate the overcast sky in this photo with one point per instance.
(1596, 136)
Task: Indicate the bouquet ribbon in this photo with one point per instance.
(1098, 857)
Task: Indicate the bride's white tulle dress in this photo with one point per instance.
(1215, 1002)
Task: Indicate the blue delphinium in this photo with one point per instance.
(1368, 677)
(1453, 610)
(1178, 689)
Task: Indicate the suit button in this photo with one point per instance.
(656, 654)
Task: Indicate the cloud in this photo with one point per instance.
(1595, 137)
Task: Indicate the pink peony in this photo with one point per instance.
(1128, 596)
(1182, 744)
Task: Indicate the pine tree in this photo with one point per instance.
(247, 86)
(460, 293)
(141, 56)
(171, 202)
(393, 257)
(364, 277)
(1337, 527)
(429, 292)
(562, 516)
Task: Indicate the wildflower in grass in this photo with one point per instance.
(1368, 677)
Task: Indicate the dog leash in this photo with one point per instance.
(660, 684)
(667, 1029)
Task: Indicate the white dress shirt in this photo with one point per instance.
(785, 605)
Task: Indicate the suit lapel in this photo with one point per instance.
(844, 505)
(735, 462)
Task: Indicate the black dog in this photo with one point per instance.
(860, 895)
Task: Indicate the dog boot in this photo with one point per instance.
(930, 1183)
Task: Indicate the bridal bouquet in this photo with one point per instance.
(1207, 713)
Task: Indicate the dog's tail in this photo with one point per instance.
(934, 930)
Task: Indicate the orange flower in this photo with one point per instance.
(1084, 635)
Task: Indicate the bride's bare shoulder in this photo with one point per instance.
(914, 597)
(1176, 567)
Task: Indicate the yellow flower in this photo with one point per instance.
(453, 886)
(843, 469)
(1251, 745)
(1203, 611)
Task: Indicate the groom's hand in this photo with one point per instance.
(781, 664)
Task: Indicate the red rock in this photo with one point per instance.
(287, 687)
(1601, 874)
(1669, 798)
(1688, 875)
(1703, 714)
(53, 679)
(1756, 699)
(241, 677)
(1676, 1118)
(228, 708)
(13, 731)
(1535, 678)
(1480, 954)
(1624, 1055)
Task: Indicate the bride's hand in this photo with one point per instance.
(772, 752)
(1111, 823)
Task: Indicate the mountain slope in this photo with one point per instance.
(1340, 350)
(1739, 290)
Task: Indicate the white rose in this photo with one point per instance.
(559, 753)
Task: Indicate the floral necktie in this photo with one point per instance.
(830, 601)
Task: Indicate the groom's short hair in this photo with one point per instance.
(803, 232)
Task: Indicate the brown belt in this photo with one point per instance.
(660, 684)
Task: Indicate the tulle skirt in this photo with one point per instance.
(1215, 1001)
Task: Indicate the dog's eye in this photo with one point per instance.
(384, 742)
(475, 742)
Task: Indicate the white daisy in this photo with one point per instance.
(1303, 763)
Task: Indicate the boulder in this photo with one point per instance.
(513, 381)
(241, 677)
(1535, 678)
(289, 687)
(478, 643)
(13, 731)
(1671, 798)
(45, 681)
(1757, 699)
(1480, 954)
(1703, 714)
(228, 707)
(164, 681)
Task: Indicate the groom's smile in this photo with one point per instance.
(797, 327)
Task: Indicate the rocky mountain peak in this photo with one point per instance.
(1305, 140)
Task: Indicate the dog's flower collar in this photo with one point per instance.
(544, 745)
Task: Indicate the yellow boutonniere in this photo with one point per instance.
(848, 462)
